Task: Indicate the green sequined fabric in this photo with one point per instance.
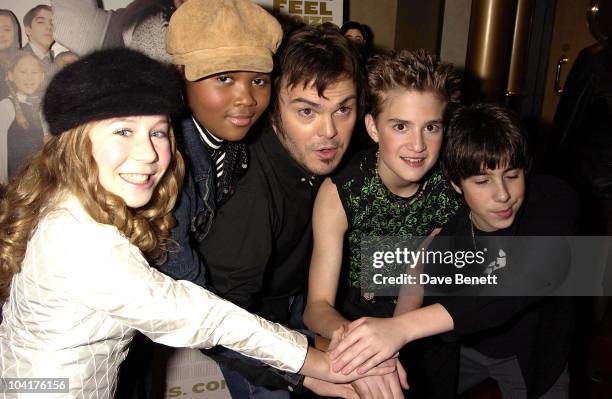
(373, 211)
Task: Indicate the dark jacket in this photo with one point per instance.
(258, 250)
(581, 139)
(195, 207)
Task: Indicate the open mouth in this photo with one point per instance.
(413, 162)
(326, 153)
(136, 178)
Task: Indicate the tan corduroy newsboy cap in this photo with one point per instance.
(213, 36)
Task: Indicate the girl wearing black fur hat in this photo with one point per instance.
(81, 220)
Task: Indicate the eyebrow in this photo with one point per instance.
(316, 105)
(506, 170)
(133, 119)
(405, 122)
(347, 99)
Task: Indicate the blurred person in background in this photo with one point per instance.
(38, 24)
(21, 128)
(10, 42)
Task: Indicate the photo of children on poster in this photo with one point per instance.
(26, 64)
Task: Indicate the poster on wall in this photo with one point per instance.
(311, 12)
(28, 58)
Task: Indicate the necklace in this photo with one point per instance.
(472, 231)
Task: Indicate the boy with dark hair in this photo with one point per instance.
(38, 24)
(257, 251)
(521, 342)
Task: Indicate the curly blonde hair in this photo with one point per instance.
(66, 164)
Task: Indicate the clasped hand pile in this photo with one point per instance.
(364, 356)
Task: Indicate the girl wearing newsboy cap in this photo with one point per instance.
(78, 225)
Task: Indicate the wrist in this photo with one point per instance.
(308, 383)
(315, 364)
(410, 327)
(425, 322)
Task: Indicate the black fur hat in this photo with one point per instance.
(108, 84)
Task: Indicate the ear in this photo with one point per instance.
(28, 31)
(9, 75)
(371, 127)
(457, 188)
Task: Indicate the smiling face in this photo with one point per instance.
(314, 129)
(228, 104)
(409, 134)
(494, 197)
(27, 75)
(7, 32)
(41, 31)
(132, 155)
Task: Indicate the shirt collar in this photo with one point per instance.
(40, 53)
(211, 141)
(290, 169)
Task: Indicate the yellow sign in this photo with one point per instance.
(310, 11)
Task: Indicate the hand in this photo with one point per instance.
(328, 389)
(402, 375)
(322, 343)
(318, 365)
(368, 342)
(337, 337)
(379, 387)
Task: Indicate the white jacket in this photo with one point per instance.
(84, 290)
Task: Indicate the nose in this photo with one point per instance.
(417, 142)
(329, 129)
(243, 96)
(501, 192)
(143, 149)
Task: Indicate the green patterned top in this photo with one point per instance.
(372, 210)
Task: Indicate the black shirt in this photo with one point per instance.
(537, 330)
(258, 250)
